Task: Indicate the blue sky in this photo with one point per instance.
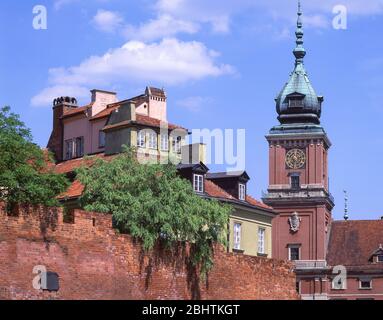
(222, 64)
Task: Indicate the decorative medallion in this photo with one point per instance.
(295, 159)
(295, 222)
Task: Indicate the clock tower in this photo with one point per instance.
(298, 168)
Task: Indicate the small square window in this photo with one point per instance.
(380, 258)
(365, 284)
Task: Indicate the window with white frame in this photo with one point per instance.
(294, 252)
(242, 192)
(153, 140)
(141, 139)
(198, 183)
(177, 144)
(365, 284)
(164, 142)
(380, 258)
(237, 236)
(261, 240)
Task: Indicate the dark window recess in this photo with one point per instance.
(295, 182)
(298, 287)
(365, 284)
(50, 281)
(294, 253)
(68, 216)
(380, 258)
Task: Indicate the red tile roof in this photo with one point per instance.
(71, 165)
(352, 243)
(76, 111)
(215, 191)
(144, 121)
(105, 113)
(74, 191)
(257, 203)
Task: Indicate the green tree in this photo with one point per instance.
(153, 204)
(25, 177)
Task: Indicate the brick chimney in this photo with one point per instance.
(61, 106)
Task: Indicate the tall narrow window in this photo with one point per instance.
(164, 142)
(242, 192)
(101, 139)
(153, 140)
(237, 236)
(261, 240)
(198, 183)
(79, 147)
(141, 139)
(295, 182)
(294, 252)
(177, 144)
(68, 149)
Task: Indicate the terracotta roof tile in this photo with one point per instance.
(217, 192)
(71, 165)
(74, 191)
(352, 243)
(76, 111)
(257, 203)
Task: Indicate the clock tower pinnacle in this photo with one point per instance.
(298, 167)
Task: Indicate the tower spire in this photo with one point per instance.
(299, 51)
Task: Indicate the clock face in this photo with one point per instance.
(295, 159)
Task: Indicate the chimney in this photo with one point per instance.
(101, 99)
(60, 107)
(194, 153)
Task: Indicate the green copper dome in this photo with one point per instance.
(298, 102)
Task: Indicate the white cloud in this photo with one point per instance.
(163, 26)
(46, 96)
(195, 103)
(319, 13)
(168, 62)
(108, 21)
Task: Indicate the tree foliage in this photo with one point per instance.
(24, 174)
(153, 204)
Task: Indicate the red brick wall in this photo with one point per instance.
(95, 262)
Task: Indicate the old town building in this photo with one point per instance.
(333, 259)
(101, 128)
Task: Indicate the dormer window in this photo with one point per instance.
(242, 192)
(296, 100)
(380, 258)
(198, 181)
